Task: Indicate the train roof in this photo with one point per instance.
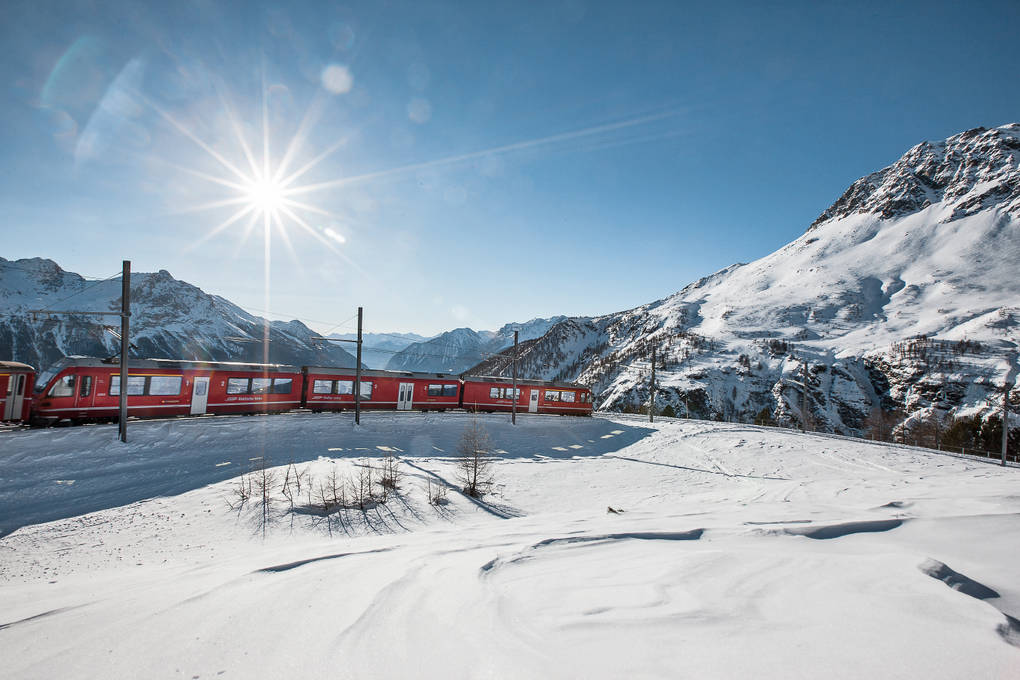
(378, 373)
(524, 381)
(14, 366)
(172, 363)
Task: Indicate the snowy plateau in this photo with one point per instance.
(608, 548)
(903, 296)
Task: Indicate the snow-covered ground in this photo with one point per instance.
(736, 552)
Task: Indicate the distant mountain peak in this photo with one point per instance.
(967, 173)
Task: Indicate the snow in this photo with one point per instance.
(735, 551)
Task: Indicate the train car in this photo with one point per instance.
(490, 394)
(16, 381)
(332, 389)
(85, 388)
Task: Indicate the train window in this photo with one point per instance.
(508, 393)
(64, 387)
(552, 395)
(85, 388)
(449, 390)
(260, 385)
(567, 396)
(164, 385)
(435, 390)
(282, 385)
(366, 390)
(323, 387)
(344, 387)
(136, 385)
(494, 393)
(238, 385)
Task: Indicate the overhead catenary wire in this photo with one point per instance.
(79, 292)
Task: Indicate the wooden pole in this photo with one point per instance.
(1005, 419)
(357, 371)
(803, 396)
(513, 411)
(125, 315)
(651, 390)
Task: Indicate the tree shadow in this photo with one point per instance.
(51, 474)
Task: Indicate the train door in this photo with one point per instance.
(404, 396)
(533, 401)
(15, 396)
(199, 395)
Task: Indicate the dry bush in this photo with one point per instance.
(475, 462)
(436, 493)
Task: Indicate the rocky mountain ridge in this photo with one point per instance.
(169, 319)
(902, 296)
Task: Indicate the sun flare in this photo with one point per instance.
(265, 196)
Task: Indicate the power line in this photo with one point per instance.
(64, 299)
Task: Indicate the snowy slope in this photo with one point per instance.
(903, 293)
(734, 552)
(169, 319)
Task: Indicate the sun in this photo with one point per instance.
(265, 196)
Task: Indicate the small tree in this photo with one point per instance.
(475, 462)
(668, 412)
(881, 424)
(764, 418)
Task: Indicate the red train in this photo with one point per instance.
(16, 382)
(80, 389)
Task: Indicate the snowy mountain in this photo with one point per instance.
(904, 294)
(169, 319)
(457, 350)
(378, 348)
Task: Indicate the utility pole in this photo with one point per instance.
(125, 314)
(125, 344)
(357, 367)
(651, 390)
(513, 411)
(357, 370)
(803, 396)
(1005, 419)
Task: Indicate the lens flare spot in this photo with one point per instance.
(339, 238)
(337, 79)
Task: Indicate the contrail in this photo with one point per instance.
(507, 148)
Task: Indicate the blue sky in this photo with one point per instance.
(487, 162)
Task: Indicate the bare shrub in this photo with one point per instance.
(292, 481)
(363, 495)
(262, 481)
(475, 460)
(390, 476)
(241, 492)
(436, 493)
